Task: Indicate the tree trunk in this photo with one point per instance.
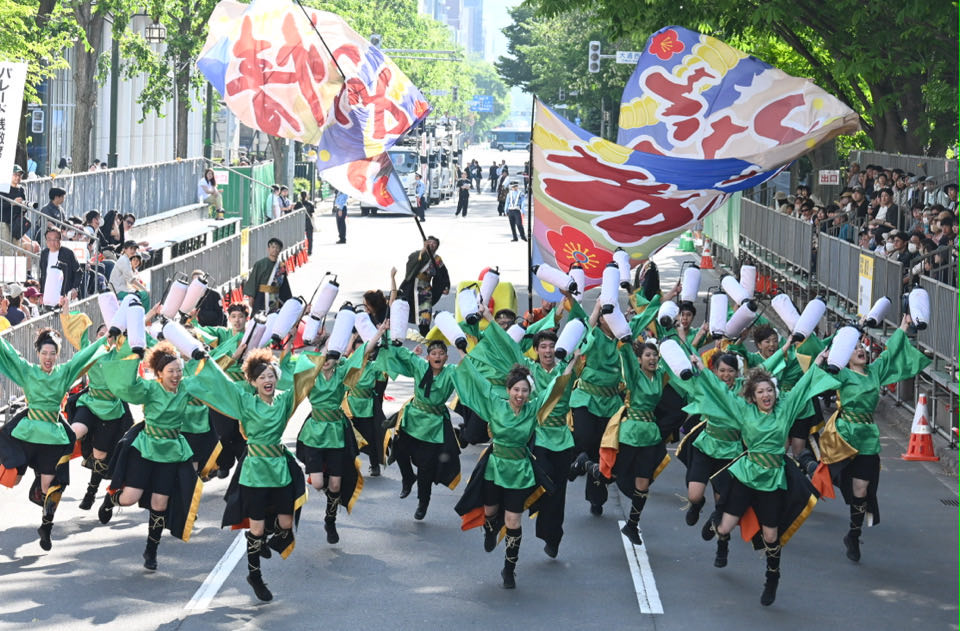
(278, 147)
(182, 81)
(85, 83)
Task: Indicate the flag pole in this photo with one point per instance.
(533, 111)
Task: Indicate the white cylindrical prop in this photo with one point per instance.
(718, 314)
(668, 314)
(516, 332)
(555, 277)
(736, 291)
(399, 314)
(919, 302)
(108, 305)
(469, 305)
(877, 312)
(782, 304)
(118, 324)
(311, 328)
(748, 279)
(676, 358)
(174, 298)
(488, 285)
(287, 318)
(609, 286)
(324, 300)
(340, 335)
(450, 329)
(365, 327)
(618, 325)
(580, 278)
(52, 287)
(739, 321)
(256, 334)
(690, 284)
(570, 336)
(841, 349)
(622, 258)
(809, 319)
(195, 291)
(156, 330)
(136, 330)
(268, 328)
(188, 345)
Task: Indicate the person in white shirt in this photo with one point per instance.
(275, 203)
(514, 204)
(124, 277)
(208, 193)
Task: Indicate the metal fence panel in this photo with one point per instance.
(940, 168)
(290, 229)
(774, 234)
(220, 260)
(142, 190)
(941, 335)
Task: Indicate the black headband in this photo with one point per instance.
(165, 359)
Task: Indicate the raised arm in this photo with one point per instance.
(212, 386)
(813, 382)
(900, 360)
(73, 368)
(716, 400)
(474, 390)
(121, 375)
(12, 365)
(400, 361)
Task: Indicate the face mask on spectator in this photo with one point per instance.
(912, 247)
(888, 246)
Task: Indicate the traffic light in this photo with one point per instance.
(455, 94)
(593, 57)
(375, 39)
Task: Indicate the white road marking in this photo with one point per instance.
(643, 582)
(218, 575)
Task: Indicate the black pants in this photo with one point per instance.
(341, 214)
(500, 203)
(556, 464)
(516, 223)
(413, 452)
(462, 203)
(372, 432)
(421, 208)
(309, 229)
(232, 443)
(588, 430)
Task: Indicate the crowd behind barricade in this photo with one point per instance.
(891, 213)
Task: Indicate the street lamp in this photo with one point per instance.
(155, 33)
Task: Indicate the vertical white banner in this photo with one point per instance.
(12, 78)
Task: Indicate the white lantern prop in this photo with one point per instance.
(340, 335)
(516, 332)
(469, 305)
(489, 284)
(174, 298)
(188, 345)
(195, 291)
(739, 321)
(609, 287)
(52, 287)
(136, 330)
(325, 296)
(622, 258)
(268, 328)
(877, 312)
(668, 314)
(809, 319)
(718, 315)
(690, 284)
(256, 333)
(365, 327)
(784, 308)
(118, 324)
(676, 358)
(618, 325)
(919, 303)
(156, 330)
(287, 318)
(736, 291)
(311, 329)
(580, 278)
(748, 279)
(109, 305)
(450, 329)
(555, 277)
(570, 336)
(399, 314)
(842, 348)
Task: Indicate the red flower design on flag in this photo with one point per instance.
(666, 44)
(572, 246)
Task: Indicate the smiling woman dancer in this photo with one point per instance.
(37, 437)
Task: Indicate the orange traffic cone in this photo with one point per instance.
(921, 441)
(706, 260)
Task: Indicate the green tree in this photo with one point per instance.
(893, 63)
(486, 81)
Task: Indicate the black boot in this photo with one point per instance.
(723, 550)
(512, 554)
(710, 526)
(578, 467)
(858, 510)
(50, 503)
(254, 578)
(281, 540)
(96, 475)
(772, 552)
(374, 471)
(406, 486)
(106, 509)
(630, 529)
(491, 530)
(155, 528)
(421, 511)
(330, 520)
(693, 513)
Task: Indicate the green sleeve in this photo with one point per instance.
(13, 366)
(553, 389)
(775, 363)
(577, 312)
(716, 400)
(548, 321)
(400, 361)
(475, 391)
(473, 330)
(686, 388)
(496, 350)
(813, 382)
(643, 319)
(753, 359)
(212, 386)
(219, 333)
(629, 364)
(81, 360)
(121, 375)
(899, 361)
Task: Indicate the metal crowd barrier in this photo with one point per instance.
(142, 190)
(220, 260)
(291, 229)
(773, 237)
(940, 168)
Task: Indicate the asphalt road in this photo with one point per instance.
(391, 572)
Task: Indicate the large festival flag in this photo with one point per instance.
(276, 75)
(699, 120)
(372, 182)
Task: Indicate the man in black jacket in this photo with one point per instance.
(424, 282)
(8, 210)
(55, 256)
(53, 210)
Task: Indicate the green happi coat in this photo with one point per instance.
(764, 435)
(360, 395)
(98, 398)
(324, 428)
(45, 391)
(598, 388)
(423, 417)
(638, 427)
